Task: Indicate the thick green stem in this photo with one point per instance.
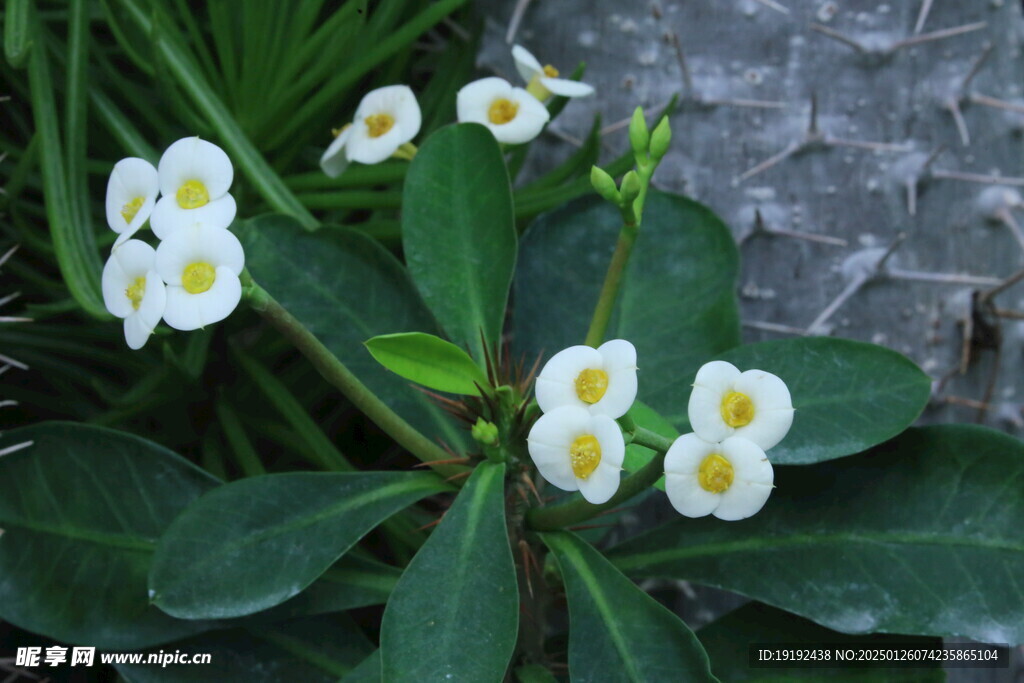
(612, 282)
(579, 510)
(335, 372)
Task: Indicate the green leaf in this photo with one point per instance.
(345, 288)
(17, 32)
(848, 395)
(636, 455)
(458, 232)
(919, 535)
(312, 650)
(455, 611)
(727, 641)
(429, 361)
(81, 511)
(677, 304)
(618, 632)
(254, 543)
(368, 670)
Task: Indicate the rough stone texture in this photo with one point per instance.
(744, 49)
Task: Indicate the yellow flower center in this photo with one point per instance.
(591, 385)
(715, 474)
(378, 124)
(129, 210)
(737, 409)
(136, 291)
(502, 111)
(192, 194)
(198, 277)
(585, 455)
(550, 71)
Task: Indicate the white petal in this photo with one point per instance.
(195, 159)
(748, 460)
(221, 299)
(556, 383)
(566, 87)
(686, 454)
(154, 301)
(602, 483)
(705, 413)
(608, 434)
(473, 101)
(131, 260)
(135, 257)
(398, 102)
(560, 427)
(526, 64)
(688, 497)
(198, 243)
(136, 332)
(367, 150)
(554, 464)
(334, 161)
(618, 354)
(529, 120)
(168, 217)
(742, 500)
(182, 312)
(718, 375)
(773, 408)
(129, 179)
(621, 393)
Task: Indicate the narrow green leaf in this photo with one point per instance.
(848, 395)
(617, 632)
(76, 107)
(245, 455)
(81, 511)
(728, 638)
(458, 233)
(919, 535)
(368, 670)
(684, 255)
(429, 361)
(17, 32)
(254, 543)
(455, 612)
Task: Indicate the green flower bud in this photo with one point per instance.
(660, 139)
(485, 432)
(639, 137)
(630, 188)
(604, 184)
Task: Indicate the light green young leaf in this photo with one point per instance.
(254, 543)
(455, 612)
(919, 535)
(617, 632)
(429, 361)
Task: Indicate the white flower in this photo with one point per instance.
(195, 176)
(730, 480)
(131, 194)
(201, 265)
(542, 81)
(512, 114)
(573, 450)
(132, 290)
(386, 119)
(601, 380)
(752, 404)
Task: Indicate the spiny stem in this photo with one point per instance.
(579, 510)
(335, 372)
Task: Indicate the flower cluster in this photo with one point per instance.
(191, 278)
(388, 118)
(720, 469)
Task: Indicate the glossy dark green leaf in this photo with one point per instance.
(429, 361)
(616, 631)
(677, 303)
(848, 395)
(312, 650)
(455, 612)
(368, 670)
(920, 535)
(254, 543)
(727, 641)
(345, 288)
(81, 512)
(458, 232)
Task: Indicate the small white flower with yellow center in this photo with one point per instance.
(385, 122)
(200, 265)
(730, 480)
(131, 195)
(195, 176)
(133, 290)
(753, 404)
(513, 115)
(601, 380)
(575, 450)
(542, 81)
